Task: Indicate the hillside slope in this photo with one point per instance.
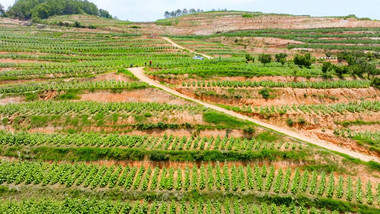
(214, 22)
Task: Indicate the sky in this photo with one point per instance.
(151, 10)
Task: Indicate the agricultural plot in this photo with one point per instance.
(79, 133)
(199, 206)
(318, 41)
(310, 92)
(63, 56)
(206, 178)
(211, 48)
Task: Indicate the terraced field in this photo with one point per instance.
(80, 133)
(323, 104)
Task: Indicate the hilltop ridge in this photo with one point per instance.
(224, 21)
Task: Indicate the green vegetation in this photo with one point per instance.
(303, 60)
(265, 92)
(223, 119)
(281, 58)
(231, 68)
(27, 9)
(250, 179)
(157, 153)
(320, 109)
(230, 205)
(265, 58)
(271, 84)
(371, 139)
(72, 86)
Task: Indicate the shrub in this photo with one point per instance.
(265, 58)
(301, 121)
(340, 70)
(376, 82)
(303, 60)
(290, 122)
(265, 92)
(249, 130)
(326, 66)
(281, 57)
(248, 57)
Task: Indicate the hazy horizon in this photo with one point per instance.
(151, 10)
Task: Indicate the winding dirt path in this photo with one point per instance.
(139, 73)
(183, 48)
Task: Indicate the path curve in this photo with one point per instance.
(183, 48)
(139, 73)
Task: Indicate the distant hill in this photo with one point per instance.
(42, 9)
(224, 21)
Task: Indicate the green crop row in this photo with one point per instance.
(143, 142)
(218, 178)
(92, 206)
(331, 109)
(73, 85)
(318, 85)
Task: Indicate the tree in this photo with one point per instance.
(350, 57)
(192, 10)
(265, 58)
(167, 14)
(368, 68)
(303, 60)
(326, 66)
(184, 12)
(2, 11)
(340, 70)
(26, 9)
(178, 12)
(281, 57)
(104, 14)
(41, 11)
(71, 8)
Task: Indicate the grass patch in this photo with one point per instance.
(223, 119)
(166, 22)
(39, 121)
(31, 97)
(247, 15)
(267, 136)
(69, 95)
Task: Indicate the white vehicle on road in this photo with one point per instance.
(198, 58)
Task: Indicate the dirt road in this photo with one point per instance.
(180, 47)
(139, 73)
